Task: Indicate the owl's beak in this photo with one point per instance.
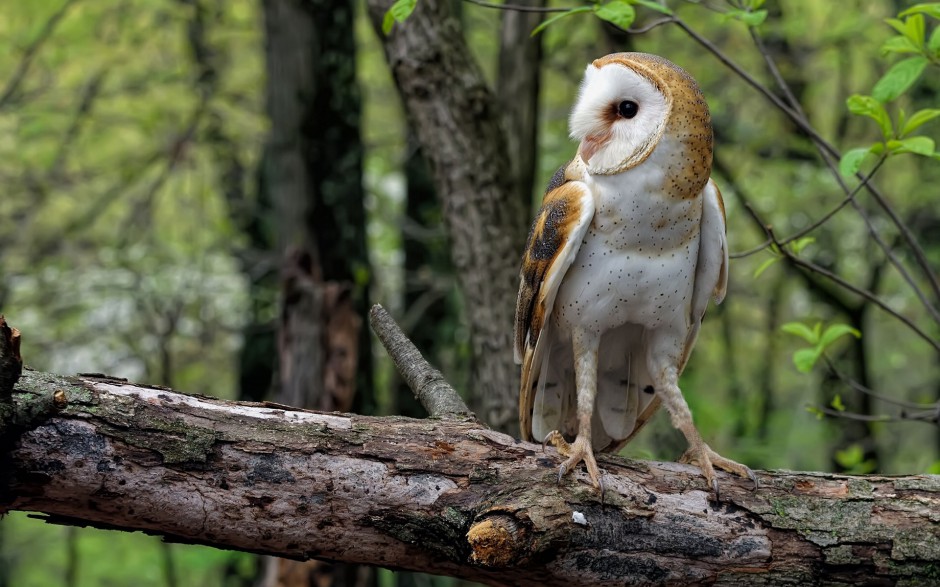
(591, 145)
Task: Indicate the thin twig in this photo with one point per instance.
(749, 252)
(427, 383)
(810, 266)
(867, 391)
(546, 9)
(831, 159)
(520, 7)
(22, 67)
(814, 268)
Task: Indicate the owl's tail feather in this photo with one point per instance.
(624, 387)
(624, 390)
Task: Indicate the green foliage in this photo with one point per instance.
(911, 38)
(852, 460)
(398, 12)
(819, 340)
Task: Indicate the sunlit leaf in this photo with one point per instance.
(834, 332)
(751, 19)
(915, 29)
(764, 266)
(899, 44)
(852, 161)
(558, 17)
(872, 108)
(801, 330)
(918, 145)
(805, 359)
(816, 412)
(928, 8)
(799, 244)
(653, 6)
(933, 44)
(836, 403)
(616, 12)
(899, 78)
(920, 117)
(398, 12)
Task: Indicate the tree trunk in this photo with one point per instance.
(457, 121)
(446, 496)
(518, 80)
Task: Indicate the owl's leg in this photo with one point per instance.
(663, 361)
(585, 368)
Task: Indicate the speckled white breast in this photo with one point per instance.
(637, 262)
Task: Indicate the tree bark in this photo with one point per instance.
(457, 121)
(446, 496)
(518, 82)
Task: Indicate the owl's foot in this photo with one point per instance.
(579, 450)
(706, 459)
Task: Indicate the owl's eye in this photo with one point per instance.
(628, 108)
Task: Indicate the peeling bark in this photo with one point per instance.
(446, 496)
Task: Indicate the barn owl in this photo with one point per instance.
(622, 259)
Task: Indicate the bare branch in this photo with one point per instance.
(22, 67)
(427, 383)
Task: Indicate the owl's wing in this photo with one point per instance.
(711, 270)
(711, 281)
(556, 234)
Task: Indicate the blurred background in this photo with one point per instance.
(154, 163)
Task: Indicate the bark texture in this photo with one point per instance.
(518, 82)
(445, 496)
(457, 121)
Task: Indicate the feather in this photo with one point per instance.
(553, 243)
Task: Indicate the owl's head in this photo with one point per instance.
(628, 102)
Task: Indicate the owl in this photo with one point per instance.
(624, 255)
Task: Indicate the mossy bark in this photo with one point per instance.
(445, 496)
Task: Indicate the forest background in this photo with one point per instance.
(143, 231)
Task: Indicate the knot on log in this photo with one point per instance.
(11, 363)
(498, 540)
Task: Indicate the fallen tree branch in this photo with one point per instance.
(444, 496)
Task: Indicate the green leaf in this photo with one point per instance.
(751, 19)
(801, 243)
(653, 6)
(558, 17)
(834, 332)
(920, 117)
(899, 78)
(914, 29)
(928, 8)
(934, 469)
(837, 404)
(398, 12)
(872, 108)
(933, 44)
(816, 412)
(899, 44)
(801, 330)
(852, 161)
(765, 266)
(617, 12)
(897, 25)
(804, 359)
(919, 145)
(850, 456)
